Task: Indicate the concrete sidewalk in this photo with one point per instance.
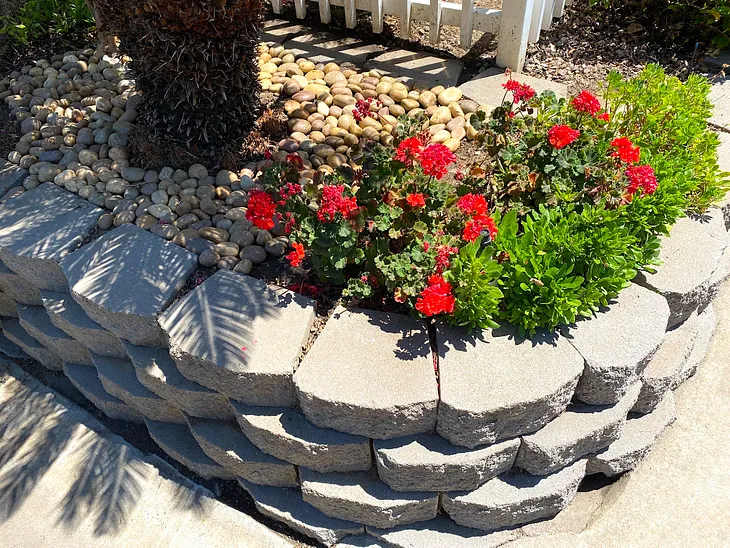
(679, 496)
(65, 481)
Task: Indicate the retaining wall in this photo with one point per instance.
(359, 433)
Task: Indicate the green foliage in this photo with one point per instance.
(37, 18)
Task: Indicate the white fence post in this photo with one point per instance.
(434, 28)
(377, 16)
(547, 14)
(405, 20)
(276, 6)
(325, 12)
(300, 8)
(350, 14)
(514, 30)
(467, 23)
(538, 7)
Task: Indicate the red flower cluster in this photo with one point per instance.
(435, 159)
(641, 177)
(295, 160)
(261, 209)
(561, 136)
(443, 257)
(289, 190)
(474, 228)
(416, 200)
(408, 150)
(472, 204)
(362, 108)
(297, 256)
(436, 298)
(625, 150)
(586, 102)
(520, 92)
(604, 116)
(333, 202)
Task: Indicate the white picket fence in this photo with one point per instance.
(516, 24)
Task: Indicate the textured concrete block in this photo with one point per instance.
(707, 324)
(428, 462)
(419, 66)
(18, 288)
(10, 349)
(67, 315)
(499, 386)
(85, 378)
(224, 442)
(371, 374)
(322, 47)
(240, 337)
(8, 306)
(126, 278)
(16, 334)
(618, 343)
(363, 498)
(157, 372)
(441, 532)
(579, 431)
(690, 255)
(11, 176)
(486, 87)
(286, 505)
(659, 376)
(177, 441)
(514, 499)
(286, 434)
(39, 229)
(36, 322)
(118, 378)
(637, 437)
(361, 541)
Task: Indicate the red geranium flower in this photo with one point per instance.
(295, 160)
(561, 136)
(586, 102)
(520, 92)
(435, 158)
(408, 150)
(474, 228)
(333, 202)
(604, 116)
(297, 256)
(261, 209)
(416, 200)
(443, 257)
(436, 298)
(472, 204)
(362, 108)
(625, 150)
(641, 177)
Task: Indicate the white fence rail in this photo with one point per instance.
(516, 24)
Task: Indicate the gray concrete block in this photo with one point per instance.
(39, 229)
(18, 288)
(8, 306)
(224, 442)
(486, 87)
(16, 334)
(708, 324)
(287, 506)
(10, 349)
(496, 385)
(361, 497)
(240, 337)
(720, 97)
(370, 374)
(514, 499)
(11, 176)
(361, 541)
(85, 378)
(428, 462)
(663, 369)
(618, 343)
(441, 532)
(36, 322)
(126, 278)
(322, 47)
(157, 372)
(637, 437)
(67, 315)
(286, 434)
(690, 256)
(421, 67)
(118, 378)
(579, 431)
(280, 30)
(177, 441)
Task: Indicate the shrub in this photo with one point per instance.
(558, 218)
(36, 18)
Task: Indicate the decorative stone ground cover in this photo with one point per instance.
(378, 428)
